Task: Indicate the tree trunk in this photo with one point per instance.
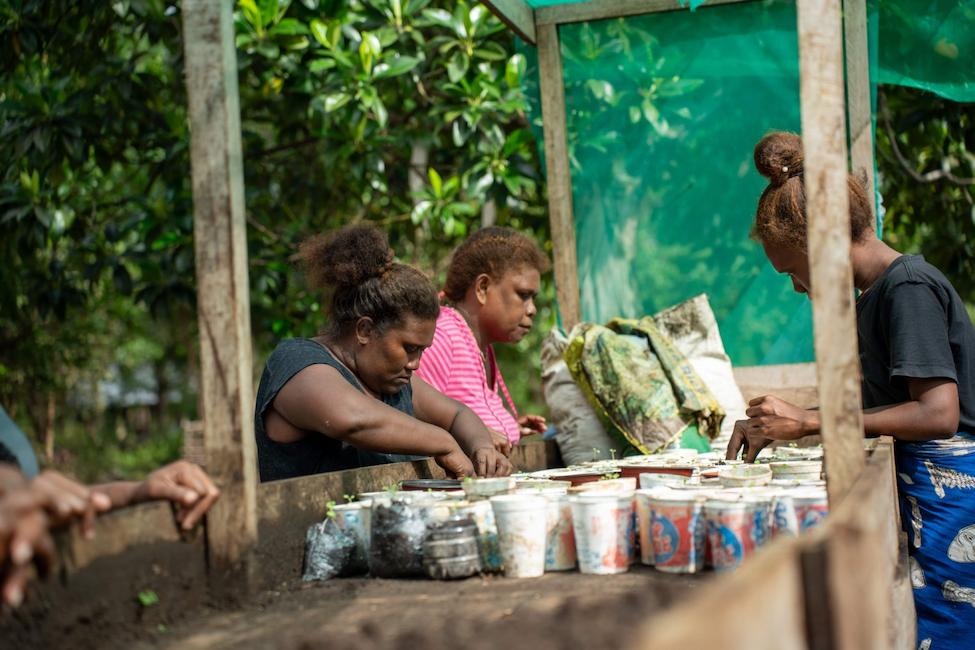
(49, 429)
(489, 213)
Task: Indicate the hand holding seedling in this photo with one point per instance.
(488, 461)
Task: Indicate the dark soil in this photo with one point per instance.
(558, 610)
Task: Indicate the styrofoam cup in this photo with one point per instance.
(560, 545)
(522, 523)
(602, 529)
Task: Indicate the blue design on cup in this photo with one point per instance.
(669, 532)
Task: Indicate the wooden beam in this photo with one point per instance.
(516, 14)
(863, 553)
(827, 205)
(559, 176)
(223, 301)
(858, 109)
(578, 12)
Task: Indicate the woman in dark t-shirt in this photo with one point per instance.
(917, 356)
(348, 398)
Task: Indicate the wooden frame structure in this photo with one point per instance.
(843, 586)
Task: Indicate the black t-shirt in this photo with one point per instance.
(912, 324)
(316, 452)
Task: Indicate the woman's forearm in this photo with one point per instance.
(909, 421)
(469, 432)
(120, 493)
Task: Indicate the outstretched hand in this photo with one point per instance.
(65, 500)
(530, 424)
(184, 484)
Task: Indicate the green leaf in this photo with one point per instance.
(289, 27)
(269, 11)
(320, 31)
(395, 67)
(321, 64)
(148, 598)
(435, 181)
(252, 14)
(513, 70)
(457, 66)
(336, 101)
(439, 17)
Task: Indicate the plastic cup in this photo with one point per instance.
(560, 545)
(785, 522)
(643, 525)
(736, 528)
(811, 507)
(677, 532)
(522, 522)
(602, 530)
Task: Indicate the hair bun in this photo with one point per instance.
(778, 156)
(348, 256)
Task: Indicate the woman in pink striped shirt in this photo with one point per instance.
(491, 287)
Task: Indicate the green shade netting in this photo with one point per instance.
(663, 111)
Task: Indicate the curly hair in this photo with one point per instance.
(354, 267)
(494, 251)
(781, 216)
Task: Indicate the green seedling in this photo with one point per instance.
(609, 477)
(349, 498)
(468, 480)
(595, 453)
(330, 510)
(148, 598)
(612, 454)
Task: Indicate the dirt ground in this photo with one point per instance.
(558, 610)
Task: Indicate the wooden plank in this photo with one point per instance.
(577, 12)
(759, 607)
(516, 14)
(824, 141)
(559, 176)
(793, 382)
(859, 113)
(862, 544)
(223, 301)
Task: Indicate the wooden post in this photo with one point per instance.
(827, 205)
(559, 177)
(223, 301)
(859, 112)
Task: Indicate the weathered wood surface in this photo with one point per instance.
(827, 204)
(793, 382)
(862, 545)
(223, 302)
(858, 109)
(759, 607)
(602, 9)
(517, 15)
(559, 175)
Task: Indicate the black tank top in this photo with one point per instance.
(316, 452)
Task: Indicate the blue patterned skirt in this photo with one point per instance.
(936, 486)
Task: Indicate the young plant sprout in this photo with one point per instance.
(330, 510)
(612, 454)
(349, 498)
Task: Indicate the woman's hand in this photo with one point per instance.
(769, 418)
(488, 461)
(24, 540)
(530, 424)
(501, 442)
(185, 485)
(65, 500)
(455, 463)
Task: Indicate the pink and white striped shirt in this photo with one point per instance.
(454, 366)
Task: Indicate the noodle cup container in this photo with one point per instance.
(484, 488)
(736, 528)
(785, 521)
(811, 507)
(616, 485)
(643, 525)
(522, 526)
(355, 517)
(602, 530)
(649, 480)
(487, 531)
(541, 484)
(797, 469)
(627, 504)
(560, 544)
(677, 532)
(745, 475)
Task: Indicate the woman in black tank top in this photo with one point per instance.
(348, 398)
